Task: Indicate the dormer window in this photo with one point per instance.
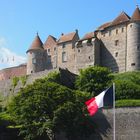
(89, 42)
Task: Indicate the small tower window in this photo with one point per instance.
(116, 31)
(138, 47)
(79, 50)
(110, 33)
(34, 61)
(54, 49)
(116, 54)
(122, 30)
(131, 26)
(116, 42)
(132, 64)
(89, 57)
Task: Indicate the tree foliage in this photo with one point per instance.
(94, 79)
(48, 108)
(127, 85)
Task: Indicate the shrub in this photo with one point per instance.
(94, 79)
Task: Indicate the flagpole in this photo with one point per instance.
(114, 117)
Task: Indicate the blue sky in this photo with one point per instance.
(21, 19)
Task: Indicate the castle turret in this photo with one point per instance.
(133, 42)
(36, 56)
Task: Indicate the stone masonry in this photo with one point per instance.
(115, 45)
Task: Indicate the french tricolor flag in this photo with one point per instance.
(105, 98)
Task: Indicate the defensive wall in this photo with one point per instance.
(127, 126)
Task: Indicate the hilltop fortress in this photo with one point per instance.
(115, 45)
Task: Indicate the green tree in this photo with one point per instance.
(47, 108)
(94, 79)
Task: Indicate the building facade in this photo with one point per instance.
(115, 45)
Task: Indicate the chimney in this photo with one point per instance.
(76, 31)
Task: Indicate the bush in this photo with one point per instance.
(94, 79)
(128, 103)
(40, 109)
(127, 85)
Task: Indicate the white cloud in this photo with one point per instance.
(9, 58)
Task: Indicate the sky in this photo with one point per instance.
(20, 20)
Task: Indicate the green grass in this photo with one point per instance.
(128, 103)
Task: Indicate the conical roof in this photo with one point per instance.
(136, 14)
(123, 17)
(36, 44)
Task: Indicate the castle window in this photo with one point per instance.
(116, 54)
(79, 50)
(49, 59)
(63, 46)
(116, 42)
(110, 33)
(131, 26)
(116, 31)
(89, 42)
(132, 64)
(33, 60)
(48, 50)
(54, 49)
(64, 57)
(89, 57)
(122, 30)
(138, 47)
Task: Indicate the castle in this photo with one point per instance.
(115, 45)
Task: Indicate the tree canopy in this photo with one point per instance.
(94, 79)
(48, 108)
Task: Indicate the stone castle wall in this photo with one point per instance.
(127, 126)
(6, 86)
(12, 72)
(133, 46)
(113, 48)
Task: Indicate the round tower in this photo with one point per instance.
(36, 56)
(133, 42)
